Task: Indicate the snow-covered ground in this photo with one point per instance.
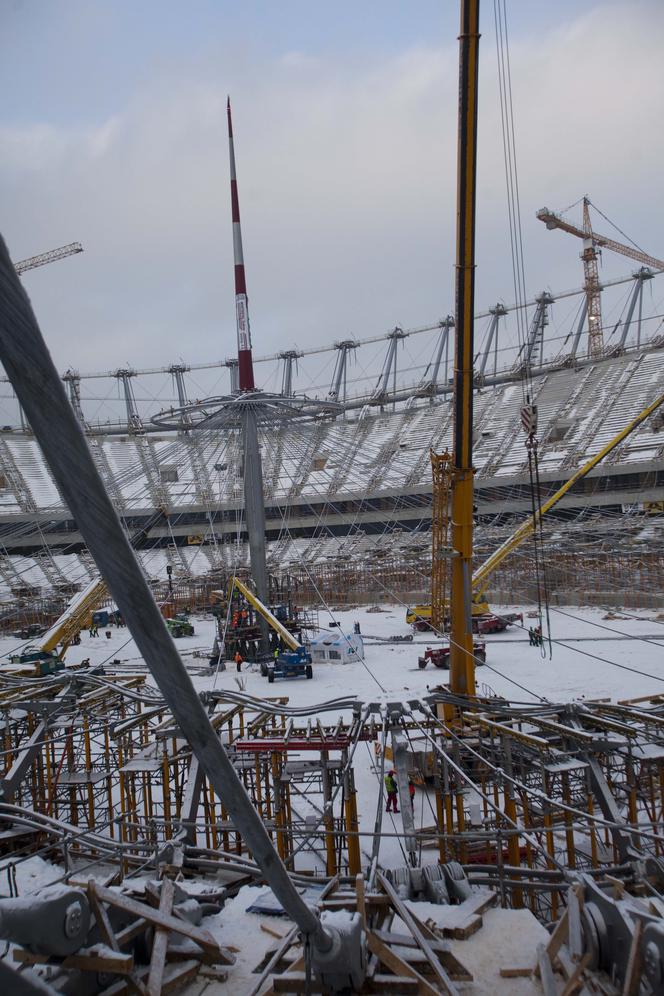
(592, 657)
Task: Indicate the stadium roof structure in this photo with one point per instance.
(329, 480)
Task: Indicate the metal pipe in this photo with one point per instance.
(254, 508)
(636, 297)
(580, 326)
(496, 314)
(443, 343)
(462, 661)
(30, 368)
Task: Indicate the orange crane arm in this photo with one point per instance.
(641, 257)
(553, 220)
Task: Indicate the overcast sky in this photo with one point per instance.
(112, 132)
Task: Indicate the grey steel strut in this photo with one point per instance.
(39, 390)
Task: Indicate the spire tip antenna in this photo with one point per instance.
(246, 371)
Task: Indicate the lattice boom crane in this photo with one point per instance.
(48, 257)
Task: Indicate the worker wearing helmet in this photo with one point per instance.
(238, 660)
(392, 791)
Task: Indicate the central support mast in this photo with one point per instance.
(246, 366)
(462, 662)
(254, 500)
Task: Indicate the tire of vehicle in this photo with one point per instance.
(309, 671)
(421, 663)
(270, 675)
(264, 669)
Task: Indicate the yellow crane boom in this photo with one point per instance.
(269, 617)
(82, 605)
(483, 573)
(480, 580)
(86, 601)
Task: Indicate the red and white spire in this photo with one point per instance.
(245, 363)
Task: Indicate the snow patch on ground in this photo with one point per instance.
(31, 874)
(234, 927)
(591, 659)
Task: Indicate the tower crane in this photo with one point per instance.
(48, 257)
(52, 256)
(592, 241)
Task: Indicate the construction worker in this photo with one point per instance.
(411, 793)
(538, 636)
(392, 791)
(238, 660)
(531, 637)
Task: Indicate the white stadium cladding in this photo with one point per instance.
(365, 477)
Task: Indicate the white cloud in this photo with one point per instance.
(347, 187)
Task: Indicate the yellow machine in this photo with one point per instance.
(79, 610)
(75, 616)
(285, 635)
(422, 613)
(292, 663)
(482, 575)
